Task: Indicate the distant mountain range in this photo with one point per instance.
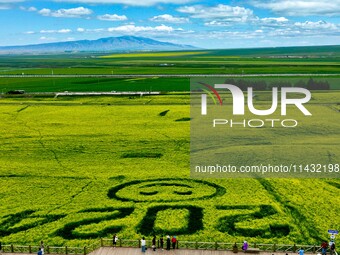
(110, 44)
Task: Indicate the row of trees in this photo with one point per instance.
(310, 84)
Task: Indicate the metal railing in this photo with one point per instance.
(216, 245)
(48, 249)
(105, 242)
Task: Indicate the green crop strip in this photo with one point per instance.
(10, 223)
(69, 229)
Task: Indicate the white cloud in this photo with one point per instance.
(112, 17)
(45, 12)
(316, 25)
(32, 9)
(218, 23)
(29, 9)
(47, 31)
(301, 7)
(44, 38)
(169, 18)
(64, 31)
(254, 20)
(95, 30)
(222, 12)
(136, 29)
(66, 13)
(274, 29)
(285, 33)
(231, 35)
(129, 2)
(29, 32)
(220, 15)
(8, 4)
(249, 38)
(307, 29)
(60, 31)
(131, 28)
(270, 20)
(273, 22)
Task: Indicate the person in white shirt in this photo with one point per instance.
(143, 244)
(114, 240)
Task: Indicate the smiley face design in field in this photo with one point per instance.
(165, 190)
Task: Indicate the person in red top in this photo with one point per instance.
(324, 246)
(173, 241)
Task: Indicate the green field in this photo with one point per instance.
(317, 60)
(74, 169)
(162, 84)
(32, 85)
(298, 60)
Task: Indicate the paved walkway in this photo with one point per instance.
(136, 251)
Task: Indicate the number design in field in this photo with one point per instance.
(25, 220)
(194, 221)
(232, 224)
(70, 230)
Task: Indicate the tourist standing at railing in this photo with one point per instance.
(168, 242)
(324, 246)
(245, 246)
(39, 252)
(114, 240)
(332, 248)
(301, 251)
(174, 241)
(154, 243)
(161, 240)
(143, 244)
(42, 247)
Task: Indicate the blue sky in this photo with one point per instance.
(205, 24)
